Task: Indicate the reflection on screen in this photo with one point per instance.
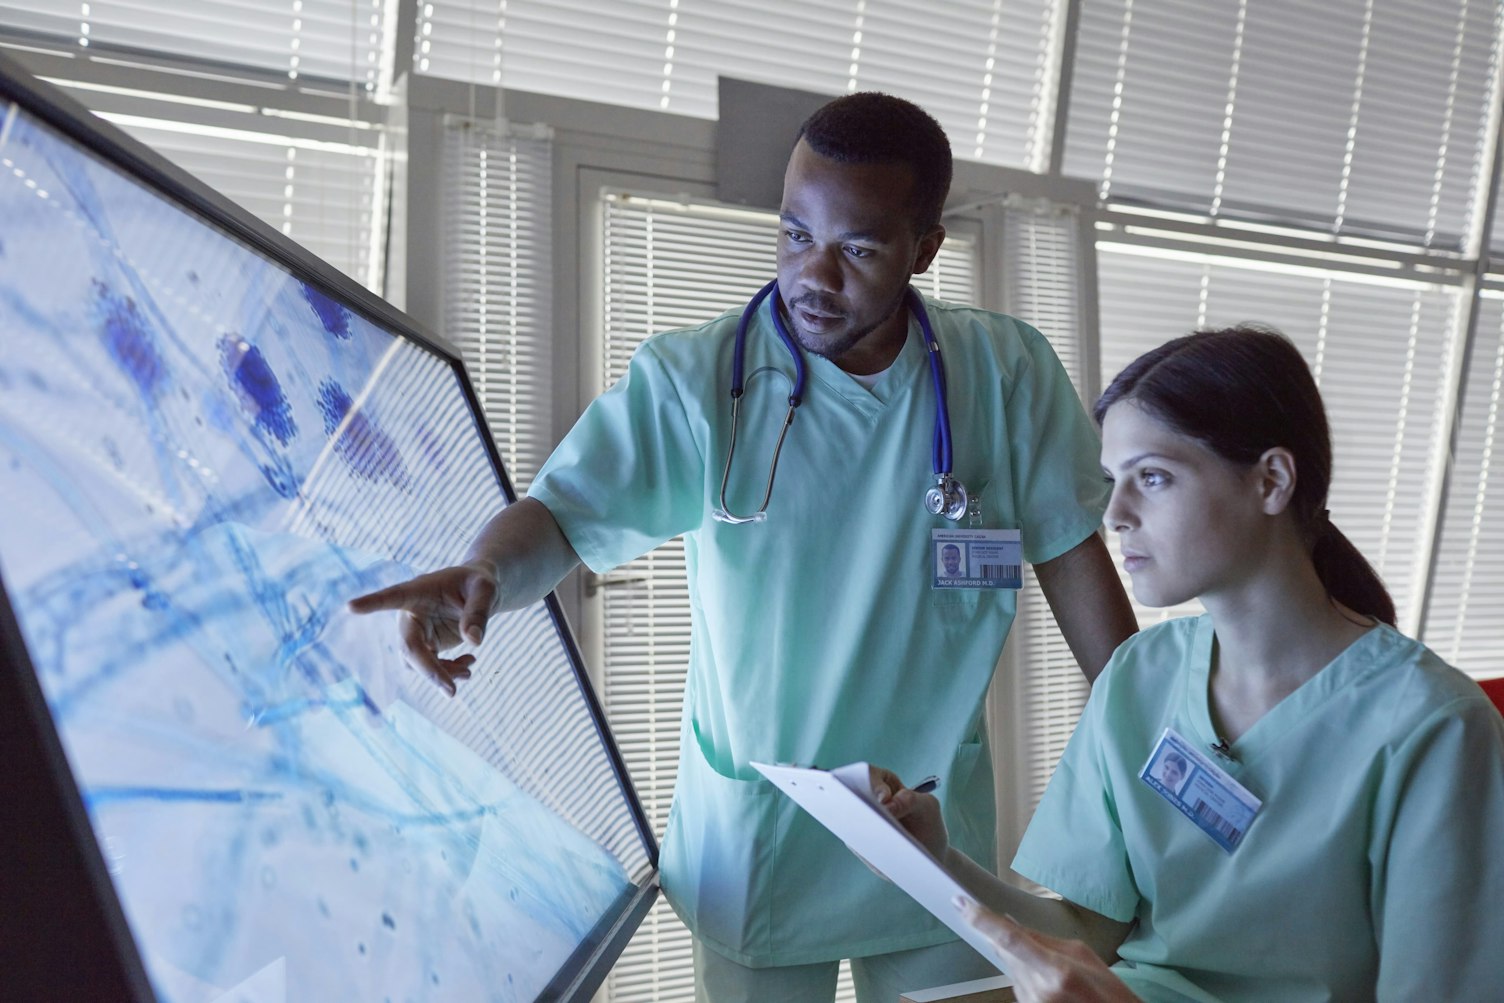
(201, 459)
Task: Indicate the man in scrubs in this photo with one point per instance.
(821, 633)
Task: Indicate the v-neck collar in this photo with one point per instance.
(1369, 653)
(893, 383)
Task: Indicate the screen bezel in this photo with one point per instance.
(63, 932)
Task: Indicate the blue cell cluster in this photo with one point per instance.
(129, 340)
(334, 316)
(258, 388)
(362, 444)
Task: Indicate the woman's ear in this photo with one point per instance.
(1276, 479)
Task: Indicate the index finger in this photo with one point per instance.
(406, 595)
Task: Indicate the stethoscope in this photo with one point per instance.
(946, 497)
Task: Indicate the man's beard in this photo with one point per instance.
(827, 347)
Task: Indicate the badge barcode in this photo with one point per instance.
(1226, 828)
(1001, 570)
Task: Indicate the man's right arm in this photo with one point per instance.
(623, 480)
(528, 555)
(516, 559)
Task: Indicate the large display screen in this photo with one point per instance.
(204, 453)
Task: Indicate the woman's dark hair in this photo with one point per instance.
(1240, 392)
(870, 127)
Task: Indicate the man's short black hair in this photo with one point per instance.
(870, 127)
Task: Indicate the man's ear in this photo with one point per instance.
(929, 246)
(1276, 476)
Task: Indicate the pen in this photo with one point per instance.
(926, 785)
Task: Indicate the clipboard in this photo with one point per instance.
(843, 802)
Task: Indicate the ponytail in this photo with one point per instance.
(1348, 577)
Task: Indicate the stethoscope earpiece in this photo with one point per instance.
(947, 498)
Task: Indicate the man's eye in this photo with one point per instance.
(858, 252)
(794, 236)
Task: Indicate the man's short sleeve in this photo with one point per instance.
(1060, 493)
(629, 475)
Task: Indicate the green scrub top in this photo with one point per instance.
(1374, 869)
(816, 635)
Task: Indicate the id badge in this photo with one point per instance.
(977, 558)
(1201, 790)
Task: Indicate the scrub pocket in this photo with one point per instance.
(719, 853)
(971, 785)
(963, 610)
(955, 605)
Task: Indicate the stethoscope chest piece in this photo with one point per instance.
(947, 498)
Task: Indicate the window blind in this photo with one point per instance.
(1041, 284)
(1463, 625)
(341, 40)
(328, 196)
(498, 256)
(1355, 117)
(984, 68)
(657, 275)
(1380, 352)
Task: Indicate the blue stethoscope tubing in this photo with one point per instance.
(947, 497)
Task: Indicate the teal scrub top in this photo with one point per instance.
(1374, 869)
(816, 635)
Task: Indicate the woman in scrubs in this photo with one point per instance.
(1335, 832)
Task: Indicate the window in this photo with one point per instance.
(1033, 711)
(984, 68)
(344, 40)
(1347, 118)
(497, 289)
(219, 87)
(328, 195)
(1463, 622)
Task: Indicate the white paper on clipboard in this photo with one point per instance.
(843, 802)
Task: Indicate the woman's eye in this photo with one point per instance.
(1152, 478)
